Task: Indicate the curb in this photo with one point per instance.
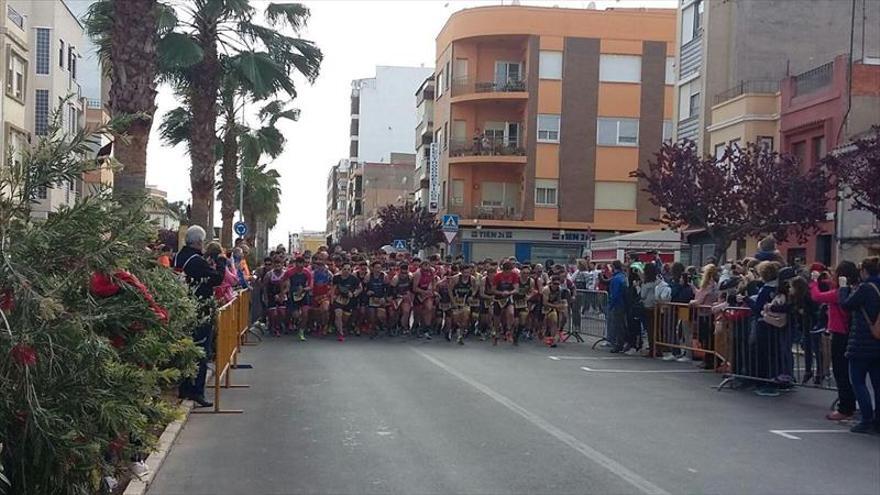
(139, 485)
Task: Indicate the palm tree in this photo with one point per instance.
(128, 34)
(260, 57)
(262, 201)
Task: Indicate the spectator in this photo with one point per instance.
(580, 278)
(653, 288)
(826, 292)
(863, 347)
(243, 273)
(202, 277)
(767, 250)
(803, 317)
(617, 307)
(681, 291)
(165, 255)
(704, 298)
(764, 332)
(634, 312)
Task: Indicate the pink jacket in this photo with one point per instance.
(838, 319)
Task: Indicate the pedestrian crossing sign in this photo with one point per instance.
(400, 244)
(450, 223)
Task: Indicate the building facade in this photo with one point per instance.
(54, 37)
(382, 118)
(541, 114)
(424, 138)
(17, 79)
(374, 185)
(725, 47)
(306, 240)
(337, 200)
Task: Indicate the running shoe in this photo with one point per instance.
(838, 416)
(302, 337)
(684, 359)
(340, 338)
(460, 341)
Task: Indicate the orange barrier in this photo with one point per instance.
(232, 321)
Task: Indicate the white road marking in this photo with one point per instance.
(624, 473)
(586, 358)
(639, 371)
(788, 433)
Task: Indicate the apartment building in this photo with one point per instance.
(541, 114)
(374, 185)
(382, 117)
(730, 48)
(15, 52)
(337, 200)
(305, 240)
(54, 36)
(424, 138)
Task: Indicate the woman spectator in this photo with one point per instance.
(634, 311)
(764, 333)
(653, 288)
(704, 298)
(863, 347)
(681, 292)
(838, 327)
(804, 317)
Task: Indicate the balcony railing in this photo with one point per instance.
(813, 79)
(486, 147)
(486, 212)
(469, 85)
(93, 103)
(758, 86)
(15, 17)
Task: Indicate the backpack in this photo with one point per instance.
(875, 325)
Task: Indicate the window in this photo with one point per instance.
(42, 192)
(42, 51)
(71, 61)
(719, 151)
(667, 130)
(736, 144)
(61, 53)
(17, 143)
(72, 120)
(617, 132)
(689, 100)
(445, 135)
(691, 21)
(507, 72)
(550, 65)
(620, 68)
(548, 128)
(460, 69)
(41, 112)
(799, 150)
(457, 192)
(16, 75)
(440, 84)
(546, 191)
(499, 194)
(670, 70)
(448, 74)
(765, 143)
(615, 195)
(818, 149)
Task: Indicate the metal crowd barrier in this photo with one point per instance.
(231, 323)
(688, 330)
(589, 315)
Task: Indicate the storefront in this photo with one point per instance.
(664, 242)
(535, 245)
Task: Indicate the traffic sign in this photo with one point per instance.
(450, 223)
(240, 228)
(400, 244)
(449, 236)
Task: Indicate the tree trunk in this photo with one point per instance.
(229, 178)
(133, 87)
(721, 245)
(206, 83)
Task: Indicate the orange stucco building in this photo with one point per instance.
(540, 115)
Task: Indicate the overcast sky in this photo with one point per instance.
(355, 36)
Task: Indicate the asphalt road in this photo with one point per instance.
(413, 417)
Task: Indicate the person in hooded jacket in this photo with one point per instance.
(863, 347)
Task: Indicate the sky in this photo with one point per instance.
(355, 36)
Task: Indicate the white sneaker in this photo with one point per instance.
(631, 351)
(668, 356)
(139, 468)
(684, 359)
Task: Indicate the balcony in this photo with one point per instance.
(813, 79)
(748, 87)
(501, 213)
(486, 150)
(470, 88)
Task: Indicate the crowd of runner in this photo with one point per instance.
(396, 294)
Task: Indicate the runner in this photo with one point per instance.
(300, 281)
(505, 284)
(521, 303)
(424, 285)
(464, 289)
(554, 306)
(487, 319)
(360, 317)
(276, 295)
(401, 285)
(444, 303)
(346, 291)
(322, 280)
(377, 291)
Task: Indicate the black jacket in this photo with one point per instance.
(861, 344)
(199, 273)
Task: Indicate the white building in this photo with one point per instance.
(382, 117)
(56, 37)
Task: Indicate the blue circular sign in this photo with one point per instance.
(240, 228)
